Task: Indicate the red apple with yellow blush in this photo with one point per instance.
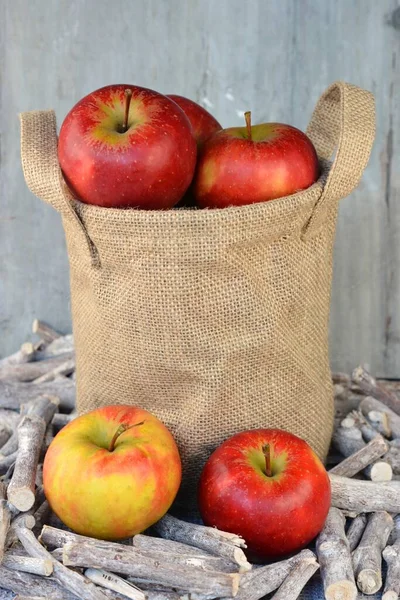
(127, 146)
(112, 472)
(256, 163)
(268, 486)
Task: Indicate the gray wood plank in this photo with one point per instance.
(274, 58)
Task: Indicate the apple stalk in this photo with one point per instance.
(128, 98)
(121, 429)
(267, 453)
(247, 116)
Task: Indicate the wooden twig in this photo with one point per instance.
(391, 555)
(44, 331)
(12, 394)
(166, 592)
(348, 440)
(26, 519)
(173, 528)
(71, 580)
(296, 580)
(64, 368)
(34, 371)
(342, 378)
(340, 392)
(159, 547)
(377, 390)
(129, 561)
(27, 564)
(375, 410)
(261, 581)
(210, 539)
(380, 422)
(344, 406)
(25, 354)
(21, 490)
(334, 557)
(115, 583)
(9, 418)
(54, 537)
(204, 562)
(364, 496)
(393, 458)
(60, 420)
(62, 345)
(32, 586)
(369, 431)
(48, 438)
(41, 514)
(360, 455)
(395, 533)
(356, 530)
(19, 597)
(5, 519)
(367, 558)
(44, 407)
(10, 447)
(150, 543)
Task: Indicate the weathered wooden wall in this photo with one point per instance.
(272, 56)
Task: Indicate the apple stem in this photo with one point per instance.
(247, 116)
(121, 429)
(128, 97)
(267, 453)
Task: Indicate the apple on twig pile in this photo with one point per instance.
(125, 146)
(268, 486)
(112, 472)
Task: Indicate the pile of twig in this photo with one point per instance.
(40, 558)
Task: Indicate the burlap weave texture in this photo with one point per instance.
(214, 320)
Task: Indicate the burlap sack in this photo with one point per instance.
(214, 320)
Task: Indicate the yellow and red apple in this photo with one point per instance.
(245, 165)
(268, 486)
(127, 146)
(112, 472)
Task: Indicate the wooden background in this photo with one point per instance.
(274, 57)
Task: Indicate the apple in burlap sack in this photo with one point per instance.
(112, 472)
(127, 146)
(245, 165)
(202, 122)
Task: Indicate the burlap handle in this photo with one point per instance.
(42, 171)
(343, 120)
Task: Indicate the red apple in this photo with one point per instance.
(127, 146)
(268, 486)
(203, 124)
(244, 165)
(112, 472)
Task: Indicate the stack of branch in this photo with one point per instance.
(363, 526)
(39, 557)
